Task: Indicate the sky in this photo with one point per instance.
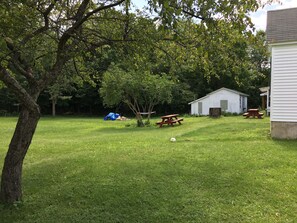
(258, 18)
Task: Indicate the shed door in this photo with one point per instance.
(199, 108)
(224, 105)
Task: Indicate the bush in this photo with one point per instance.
(227, 114)
(3, 112)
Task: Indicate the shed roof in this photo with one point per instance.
(223, 88)
(282, 25)
(264, 89)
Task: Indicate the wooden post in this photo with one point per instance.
(263, 102)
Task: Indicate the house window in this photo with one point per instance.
(224, 105)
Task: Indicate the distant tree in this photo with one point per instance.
(8, 102)
(259, 56)
(139, 90)
(207, 59)
(67, 83)
(60, 87)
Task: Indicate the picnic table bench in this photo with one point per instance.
(253, 113)
(146, 113)
(170, 120)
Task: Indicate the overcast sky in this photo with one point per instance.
(258, 18)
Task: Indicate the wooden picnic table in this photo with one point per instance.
(170, 120)
(254, 112)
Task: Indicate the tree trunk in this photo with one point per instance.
(54, 102)
(11, 180)
(149, 116)
(139, 120)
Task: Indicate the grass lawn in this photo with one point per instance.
(218, 170)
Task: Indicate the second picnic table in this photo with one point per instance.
(253, 113)
(170, 120)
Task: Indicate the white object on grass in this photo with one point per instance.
(173, 139)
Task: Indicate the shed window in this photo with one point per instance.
(224, 105)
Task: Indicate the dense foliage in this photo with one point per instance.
(140, 90)
(201, 57)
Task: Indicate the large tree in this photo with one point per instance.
(140, 90)
(28, 65)
(39, 37)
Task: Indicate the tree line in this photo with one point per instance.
(197, 61)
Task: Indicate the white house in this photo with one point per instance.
(226, 99)
(282, 39)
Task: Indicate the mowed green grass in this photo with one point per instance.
(218, 170)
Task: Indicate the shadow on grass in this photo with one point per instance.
(134, 128)
(176, 189)
(228, 132)
(111, 130)
(184, 185)
(290, 145)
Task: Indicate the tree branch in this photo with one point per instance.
(19, 91)
(80, 19)
(100, 9)
(62, 57)
(193, 15)
(46, 23)
(17, 61)
(81, 10)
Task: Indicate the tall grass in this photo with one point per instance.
(218, 170)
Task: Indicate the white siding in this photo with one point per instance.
(232, 98)
(214, 99)
(194, 108)
(284, 83)
(205, 106)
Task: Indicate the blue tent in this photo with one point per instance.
(111, 116)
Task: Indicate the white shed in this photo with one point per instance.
(282, 39)
(228, 100)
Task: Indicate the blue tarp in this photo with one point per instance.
(111, 116)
